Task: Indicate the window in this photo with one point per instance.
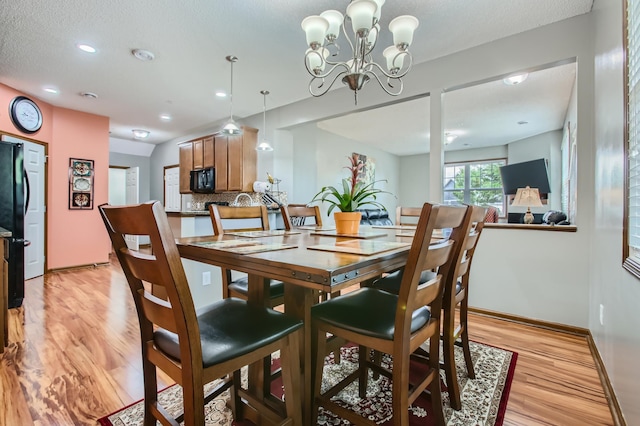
(631, 236)
(476, 183)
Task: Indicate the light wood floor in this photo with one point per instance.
(74, 357)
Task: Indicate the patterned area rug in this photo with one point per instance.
(484, 399)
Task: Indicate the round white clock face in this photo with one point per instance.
(26, 115)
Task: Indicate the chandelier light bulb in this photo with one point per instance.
(402, 29)
(316, 29)
(335, 19)
(361, 13)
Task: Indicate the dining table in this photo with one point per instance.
(309, 260)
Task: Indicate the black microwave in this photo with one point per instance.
(203, 181)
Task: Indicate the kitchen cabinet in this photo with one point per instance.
(233, 157)
(186, 165)
(196, 154)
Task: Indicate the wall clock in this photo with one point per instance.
(25, 114)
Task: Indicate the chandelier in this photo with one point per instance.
(322, 34)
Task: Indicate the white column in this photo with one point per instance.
(436, 150)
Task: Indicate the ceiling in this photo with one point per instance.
(191, 38)
(488, 114)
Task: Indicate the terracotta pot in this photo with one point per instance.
(347, 222)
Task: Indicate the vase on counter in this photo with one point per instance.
(347, 222)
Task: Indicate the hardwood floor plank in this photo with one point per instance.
(74, 356)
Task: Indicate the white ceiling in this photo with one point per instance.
(479, 116)
(190, 39)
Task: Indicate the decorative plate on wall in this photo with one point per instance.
(80, 184)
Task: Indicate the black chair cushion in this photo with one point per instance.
(367, 311)
(391, 282)
(231, 328)
(241, 285)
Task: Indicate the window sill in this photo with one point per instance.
(536, 227)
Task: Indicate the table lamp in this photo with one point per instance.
(527, 197)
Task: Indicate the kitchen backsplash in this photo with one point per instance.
(195, 202)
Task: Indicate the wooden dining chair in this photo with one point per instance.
(456, 295)
(395, 324)
(252, 218)
(407, 215)
(295, 215)
(195, 347)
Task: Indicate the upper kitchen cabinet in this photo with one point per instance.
(186, 165)
(242, 160)
(233, 157)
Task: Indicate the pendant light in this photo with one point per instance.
(264, 145)
(231, 127)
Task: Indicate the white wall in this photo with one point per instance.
(618, 339)
(320, 158)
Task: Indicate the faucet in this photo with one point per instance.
(240, 195)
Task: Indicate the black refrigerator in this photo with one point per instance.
(14, 196)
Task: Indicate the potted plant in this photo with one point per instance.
(353, 195)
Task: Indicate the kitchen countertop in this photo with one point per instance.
(4, 233)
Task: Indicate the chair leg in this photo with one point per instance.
(363, 363)
(319, 348)
(150, 391)
(450, 369)
(465, 340)
(434, 386)
(235, 403)
(436, 400)
(193, 400)
(400, 392)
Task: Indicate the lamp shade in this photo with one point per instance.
(335, 19)
(402, 29)
(361, 13)
(527, 197)
(378, 11)
(231, 128)
(393, 57)
(315, 61)
(316, 29)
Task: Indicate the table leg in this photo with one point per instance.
(259, 372)
(297, 302)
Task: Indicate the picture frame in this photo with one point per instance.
(81, 175)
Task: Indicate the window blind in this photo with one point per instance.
(633, 167)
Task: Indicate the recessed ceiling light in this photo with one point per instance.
(89, 95)
(51, 90)
(515, 79)
(140, 134)
(221, 94)
(449, 137)
(143, 55)
(165, 117)
(86, 48)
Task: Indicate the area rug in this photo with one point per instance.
(484, 399)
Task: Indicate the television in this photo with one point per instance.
(203, 181)
(529, 173)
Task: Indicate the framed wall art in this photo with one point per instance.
(80, 184)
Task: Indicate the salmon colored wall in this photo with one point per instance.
(74, 237)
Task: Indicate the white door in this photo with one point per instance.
(34, 219)
(132, 197)
(172, 201)
(34, 160)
